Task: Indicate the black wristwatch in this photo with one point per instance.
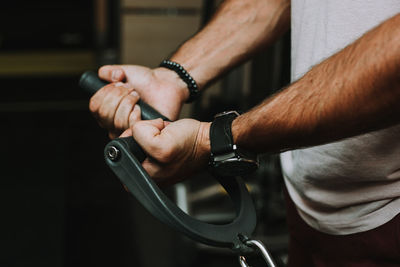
(227, 159)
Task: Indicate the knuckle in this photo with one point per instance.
(136, 126)
(130, 100)
(122, 91)
(112, 88)
(107, 88)
(134, 94)
(119, 123)
(133, 118)
(116, 91)
(93, 105)
(102, 113)
(165, 155)
(123, 105)
(119, 84)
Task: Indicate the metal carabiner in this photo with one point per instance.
(264, 253)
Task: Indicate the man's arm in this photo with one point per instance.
(355, 91)
(237, 31)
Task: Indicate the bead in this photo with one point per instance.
(185, 76)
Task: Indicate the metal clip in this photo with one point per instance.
(264, 253)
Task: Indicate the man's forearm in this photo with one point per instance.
(355, 91)
(237, 30)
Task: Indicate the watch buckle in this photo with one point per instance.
(226, 113)
(224, 156)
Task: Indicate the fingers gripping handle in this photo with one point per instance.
(91, 84)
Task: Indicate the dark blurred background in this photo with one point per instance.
(60, 205)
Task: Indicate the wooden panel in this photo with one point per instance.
(46, 63)
(162, 3)
(147, 40)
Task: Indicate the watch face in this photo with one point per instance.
(236, 167)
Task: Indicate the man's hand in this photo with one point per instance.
(176, 150)
(113, 104)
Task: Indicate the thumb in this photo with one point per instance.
(126, 133)
(112, 73)
(147, 134)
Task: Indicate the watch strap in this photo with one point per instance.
(221, 139)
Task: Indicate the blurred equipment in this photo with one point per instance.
(53, 202)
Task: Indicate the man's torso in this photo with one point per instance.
(352, 185)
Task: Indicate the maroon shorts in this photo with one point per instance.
(308, 247)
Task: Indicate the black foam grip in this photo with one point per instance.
(91, 84)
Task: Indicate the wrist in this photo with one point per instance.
(203, 150)
(235, 130)
(196, 64)
(185, 77)
(239, 132)
(174, 82)
(227, 157)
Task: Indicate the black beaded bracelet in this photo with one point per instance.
(185, 76)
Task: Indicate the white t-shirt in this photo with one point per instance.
(352, 185)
